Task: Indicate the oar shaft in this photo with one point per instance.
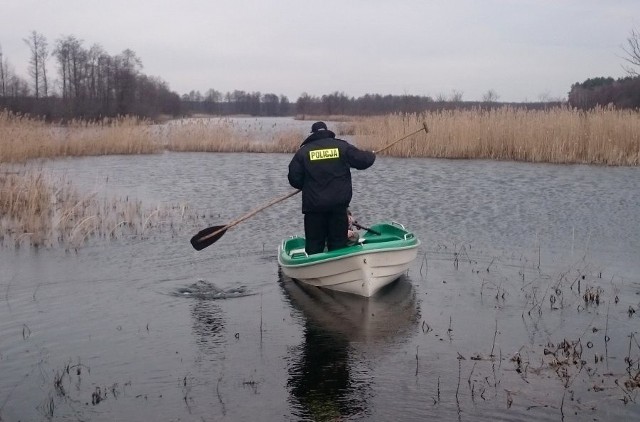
(424, 127)
(250, 214)
(369, 229)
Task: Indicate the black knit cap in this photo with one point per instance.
(318, 126)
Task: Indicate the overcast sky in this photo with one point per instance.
(524, 50)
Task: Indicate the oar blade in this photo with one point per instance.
(207, 237)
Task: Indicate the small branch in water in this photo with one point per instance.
(495, 333)
(144, 225)
(26, 332)
(472, 388)
(490, 263)
(606, 336)
(458, 387)
(224, 410)
(35, 291)
(424, 263)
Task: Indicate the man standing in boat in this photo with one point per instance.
(321, 168)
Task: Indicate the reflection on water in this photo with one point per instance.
(362, 321)
(208, 325)
(321, 381)
(326, 380)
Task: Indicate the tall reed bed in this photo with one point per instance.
(23, 138)
(39, 210)
(559, 135)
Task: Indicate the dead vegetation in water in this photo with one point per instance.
(41, 211)
(582, 353)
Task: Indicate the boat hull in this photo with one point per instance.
(362, 269)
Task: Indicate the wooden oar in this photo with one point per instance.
(211, 235)
(424, 127)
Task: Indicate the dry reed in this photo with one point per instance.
(39, 210)
(559, 135)
(23, 138)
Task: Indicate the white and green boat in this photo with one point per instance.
(381, 255)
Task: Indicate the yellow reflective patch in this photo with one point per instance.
(324, 154)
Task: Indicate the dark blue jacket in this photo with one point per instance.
(321, 169)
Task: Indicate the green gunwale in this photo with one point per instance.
(391, 237)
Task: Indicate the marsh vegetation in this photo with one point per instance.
(559, 135)
(34, 206)
(42, 210)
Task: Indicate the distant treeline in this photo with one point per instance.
(337, 103)
(623, 93)
(90, 84)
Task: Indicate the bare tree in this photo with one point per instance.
(11, 85)
(3, 75)
(456, 96)
(213, 96)
(72, 59)
(632, 50)
(44, 54)
(270, 104)
(546, 97)
(491, 96)
(284, 105)
(16, 86)
(304, 103)
(94, 73)
(37, 62)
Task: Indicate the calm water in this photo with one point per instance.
(148, 329)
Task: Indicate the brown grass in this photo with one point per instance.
(23, 138)
(24, 206)
(560, 135)
(39, 210)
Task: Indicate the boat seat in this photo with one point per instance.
(299, 251)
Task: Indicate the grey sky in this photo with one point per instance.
(522, 49)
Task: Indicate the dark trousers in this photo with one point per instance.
(325, 228)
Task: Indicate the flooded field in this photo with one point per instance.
(523, 303)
